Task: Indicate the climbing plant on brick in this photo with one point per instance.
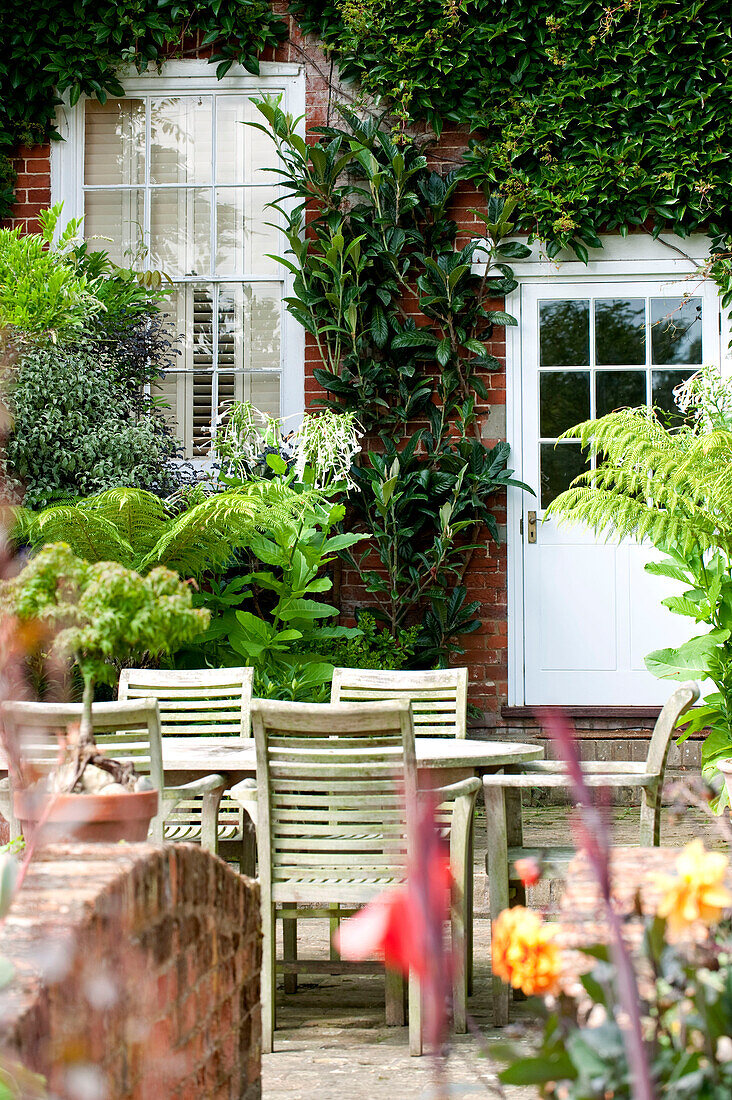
(595, 116)
(79, 46)
(402, 322)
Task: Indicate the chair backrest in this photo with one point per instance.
(127, 731)
(677, 704)
(195, 701)
(336, 789)
(439, 698)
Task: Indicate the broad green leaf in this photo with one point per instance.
(689, 660)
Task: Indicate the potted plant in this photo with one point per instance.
(97, 614)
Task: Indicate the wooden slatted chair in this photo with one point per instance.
(332, 784)
(439, 701)
(504, 820)
(196, 703)
(129, 731)
(439, 698)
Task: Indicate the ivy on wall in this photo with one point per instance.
(79, 46)
(595, 117)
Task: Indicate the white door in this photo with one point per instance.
(591, 612)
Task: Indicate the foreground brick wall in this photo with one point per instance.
(137, 975)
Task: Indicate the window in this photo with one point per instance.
(172, 178)
(605, 353)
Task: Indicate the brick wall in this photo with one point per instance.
(137, 975)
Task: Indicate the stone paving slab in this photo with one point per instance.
(331, 1042)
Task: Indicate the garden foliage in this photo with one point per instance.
(83, 340)
(99, 614)
(685, 1003)
(595, 117)
(379, 237)
(81, 423)
(196, 534)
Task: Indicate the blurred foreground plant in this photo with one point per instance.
(638, 1030)
(101, 613)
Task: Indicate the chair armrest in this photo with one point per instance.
(455, 790)
(211, 787)
(203, 785)
(544, 781)
(245, 794)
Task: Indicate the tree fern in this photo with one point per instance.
(138, 530)
(672, 487)
(91, 536)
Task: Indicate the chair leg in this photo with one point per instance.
(289, 953)
(459, 973)
(268, 982)
(469, 905)
(335, 923)
(497, 867)
(415, 1015)
(396, 1015)
(461, 907)
(248, 857)
(650, 816)
(210, 820)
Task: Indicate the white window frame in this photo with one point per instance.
(637, 257)
(191, 78)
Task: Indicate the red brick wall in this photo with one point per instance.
(137, 974)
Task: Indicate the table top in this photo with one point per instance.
(227, 754)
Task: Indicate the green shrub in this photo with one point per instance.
(43, 292)
(81, 424)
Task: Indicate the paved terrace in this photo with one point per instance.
(331, 1042)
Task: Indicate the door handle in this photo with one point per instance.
(531, 526)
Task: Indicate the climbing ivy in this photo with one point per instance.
(79, 46)
(594, 116)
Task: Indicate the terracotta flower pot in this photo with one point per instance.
(100, 818)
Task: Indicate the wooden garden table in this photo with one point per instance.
(441, 760)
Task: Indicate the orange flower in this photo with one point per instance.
(696, 894)
(524, 953)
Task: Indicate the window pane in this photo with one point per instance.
(619, 389)
(664, 384)
(180, 140)
(560, 465)
(242, 153)
(564, 333)
(249, 326)
(676, 336)
(186, 400)
(564, 400)
(620, 335)
(190, 314)
(115, 219)
(114, 141)
(180, 231)
(263, 390)
(243, 237)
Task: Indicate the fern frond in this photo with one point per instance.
(90, 536)
(139, 516)
(673, 488)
